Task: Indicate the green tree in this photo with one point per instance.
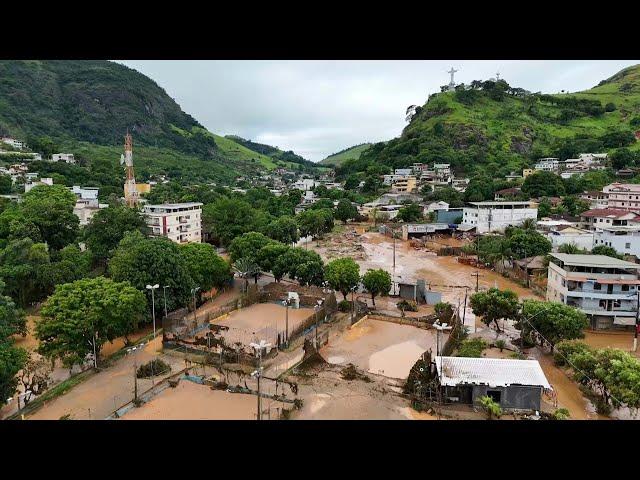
(70, 264)
(376, 282)
(302, 265)
(50, 209)
(543, 184)
(283, 229)
(108, 226)
(268, 259)
(12, 359)
(342, 274)
(86, 314)
(554, 321)
(149, 261)
(228, 218)
(345, 211)
(206, 268)
(410, 213)
(5, 184)
(22, 264)
(246, 268)
(495, 304)
(248, 245)
(606, 250)
(527, 243)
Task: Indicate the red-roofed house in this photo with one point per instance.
(607, 217)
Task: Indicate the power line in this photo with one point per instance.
(567, 359)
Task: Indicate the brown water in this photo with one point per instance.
(190, 401)
(379, 347)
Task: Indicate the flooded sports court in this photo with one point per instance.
(380, 347)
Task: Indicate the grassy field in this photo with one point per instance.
(349, 153)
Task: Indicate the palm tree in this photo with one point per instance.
(246, 268)
(528, 224)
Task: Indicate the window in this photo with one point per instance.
(597, 286)
(627, 245)
(495, 395)
(625, 288)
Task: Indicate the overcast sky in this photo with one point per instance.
(317, 108)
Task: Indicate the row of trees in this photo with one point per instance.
(544, 322)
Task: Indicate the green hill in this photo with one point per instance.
(490, 127)
(278, 157)
(85, 107)
(351, 153)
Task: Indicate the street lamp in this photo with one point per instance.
(153, 305)
(259, 347)
(286, 304)
(316, 309)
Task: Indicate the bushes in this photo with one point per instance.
(344, 306)
(491, 408)
(565, 349)
(472, 348)
(152, 368)
(444, 311)
(407, 306)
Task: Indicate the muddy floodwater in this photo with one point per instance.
(190, 401)
(380, 347)
(261, 321)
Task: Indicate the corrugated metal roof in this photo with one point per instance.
(494, 372)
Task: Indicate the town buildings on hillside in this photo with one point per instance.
(496, 216)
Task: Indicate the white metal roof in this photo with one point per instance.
(586, 260)
(494, 372)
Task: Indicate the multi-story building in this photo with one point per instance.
(406, 184)
(63, 157)
(602, 287)
(623, 196)
(403, 171)
(180, 222)
(549, 164)
(33, 183)
(595, 198)
(443, 170)
(598, 218)
(625, 239)
(571, 235)
(496, 216)
(17, 144)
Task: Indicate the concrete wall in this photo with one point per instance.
(515, 397)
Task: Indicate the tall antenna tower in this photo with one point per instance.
(130, 190)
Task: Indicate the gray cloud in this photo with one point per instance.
(316, 108)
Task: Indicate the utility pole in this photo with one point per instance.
(464, 312)
(258, 347)
(153, 305)
(393, 235)
(195, 317)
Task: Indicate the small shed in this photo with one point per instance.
(513, 384)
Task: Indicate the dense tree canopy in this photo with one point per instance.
(50, 210)
(554, 321)
(108, 226)
(228, 218)
(543, 184)
(206, 267)
(86, 314)
(149, 261)
(342, 274)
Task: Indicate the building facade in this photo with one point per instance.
(602, 287)
(623, 196)
(179, 222)
(496, 216)
(625, 239)
(599, 218)
(63, 157)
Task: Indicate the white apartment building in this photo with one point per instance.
(625, 239)
(602, 287)
(85, 193)
(32, 184)
(623, 196)
(17, 144)
(549, 164)
(496, 216)
(596, 199)
(442, 169)
(179, 222)
(63, 157)
(403, 171)
(571, 235)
